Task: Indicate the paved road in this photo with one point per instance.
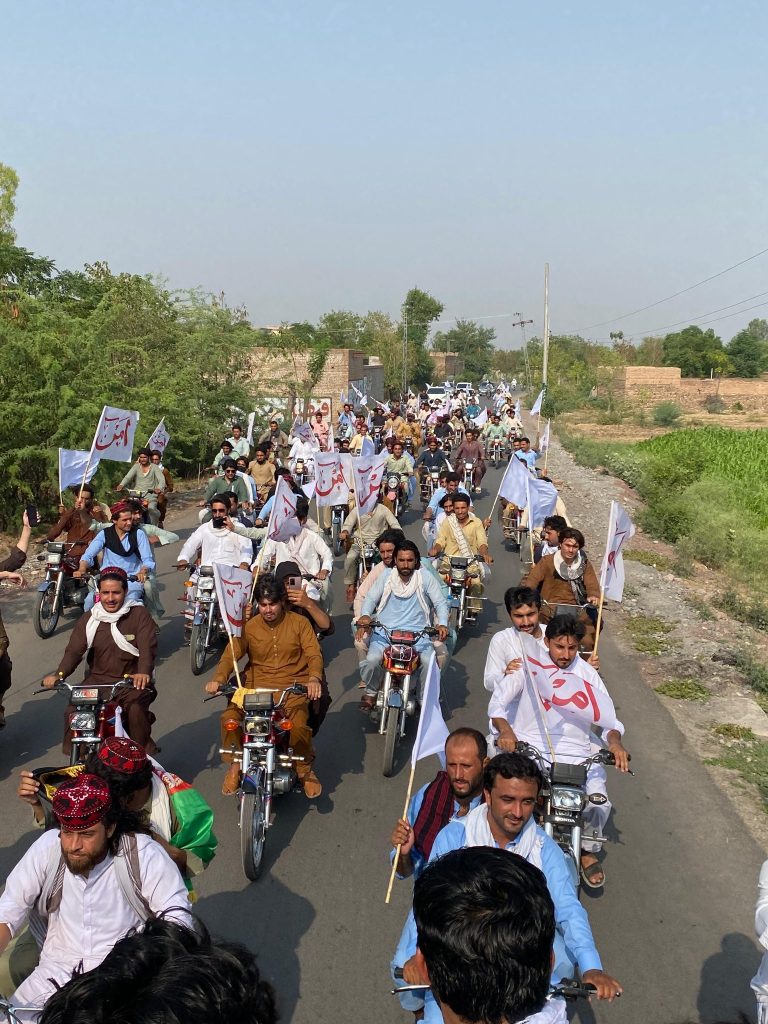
(674, 924)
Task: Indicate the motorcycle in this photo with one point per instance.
(459, 582)
(429, 483)
(496, 452)
(92, 719)
(365, 564)
(338, 515)
(564, 798)
(514, 533)
(378, 440)
(301, 472)
(392, 494)
(397, 699)
(268, 768)
(207, 624)
(59, 589)
(148, 501)
(567, 988)
(466, 482)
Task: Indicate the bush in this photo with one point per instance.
(714, 404)
(666, 414)
(753, 613)
(684, 689)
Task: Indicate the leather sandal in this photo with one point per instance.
(312, 785)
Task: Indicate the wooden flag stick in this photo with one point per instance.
(397, 851)
(234, 659)
(599, 621)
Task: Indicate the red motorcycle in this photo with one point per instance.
(91, 714)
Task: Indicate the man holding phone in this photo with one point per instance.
(8, 567)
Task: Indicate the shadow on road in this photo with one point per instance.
(724, 991)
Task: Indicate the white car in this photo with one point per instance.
(436, 395)
(464, 385)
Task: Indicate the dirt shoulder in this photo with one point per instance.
(680, 641)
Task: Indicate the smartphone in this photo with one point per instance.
(33, 515)
(293, 582)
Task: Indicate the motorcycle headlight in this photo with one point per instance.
(566, 799)
(83, 721)
(54, 558)
(257, 726)
(205, 584)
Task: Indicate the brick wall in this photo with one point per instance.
(448, 365)
(752, 394)
(648, 385)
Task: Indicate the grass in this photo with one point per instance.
(746, 754)
(753, 613)
(648, 633)
(754, 672)
(657, 561)
(684, 689)
(701, 608)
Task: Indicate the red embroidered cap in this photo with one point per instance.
(118, 507)
(81, 803)
(122, 754)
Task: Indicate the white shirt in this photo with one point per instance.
(514, 701)
(306, 549)
(302, 450)
(241, 447)
(93, 915)
(216, 546)
(504, 647)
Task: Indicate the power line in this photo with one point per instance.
(667, 298)
(700, 316)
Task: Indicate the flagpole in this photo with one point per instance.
(399, 845)
(234, 658)
(599, 620)
(90, 454)
(611, 528)
(546, 450)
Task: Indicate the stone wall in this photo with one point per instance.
(644, 384)
(648, 385)
(448, 366)
(752, 394)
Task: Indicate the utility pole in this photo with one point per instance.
(405, 353)
(521, 324)
(545, 361)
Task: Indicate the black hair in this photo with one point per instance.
(226, 443)
(446, 497)
(228, 464)
(156, 451)
(571, 533)
(302, 507)
(163, 974)
(525, 439)
(462, 496)
(122, 784)
(236, 426)
(408, 545)
(143, 451)
(511, 766)
(107, 575)
(452, 478)
(485, 925)
(222, 498)
(565, 625)
(76, 488)
(516, 597)
(268, 589)
(390, 537)
(555, 522)
(465, 733)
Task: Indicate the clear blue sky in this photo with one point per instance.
(306, 156)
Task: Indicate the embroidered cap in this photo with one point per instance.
(122, 755)
(82, 803)
(116, 572)
(118, 507)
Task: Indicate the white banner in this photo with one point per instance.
(233, 589)
(620, 529)
(368, 476)
(544, 439)
(536, 407)
(517, 410)
(159, 439)
(367, 448)
(114, 434)
(249, 432)
(72, 465)
(482, 419)
(541, 500)
(283, 523)
(330, 486)
(513, 483)
(431, 732)
(305, 432)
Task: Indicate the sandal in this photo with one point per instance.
(367, 704)
(588, 873)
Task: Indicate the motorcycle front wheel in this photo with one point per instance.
(391, 733)
(253, 832)
(47, 611)
(197, 649)
(335, 539)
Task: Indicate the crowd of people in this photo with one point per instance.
(100, 903)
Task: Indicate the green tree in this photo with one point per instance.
(379, 336)
(340, 328)
(695, 351)
(748, 350)
(419, 311)
(508, 363)
(9, 183)
(650, 352)
(473, 343)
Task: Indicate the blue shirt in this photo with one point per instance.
(406, 613)
(529, 458)
(414, 807)
(130, 563)
(573, 935)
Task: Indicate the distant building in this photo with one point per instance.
(448, 365)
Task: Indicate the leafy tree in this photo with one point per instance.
(748, 350)
(696, 352)
(650, 352)
(9, 183)
(341, 328)
(21, 271)
(472, 342)
(508, 362)
(419, 310)
(379, 336)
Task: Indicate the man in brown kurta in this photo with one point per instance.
(282, 650)
(8, 567)
(262, 472)
(76, 523)
(108, 662)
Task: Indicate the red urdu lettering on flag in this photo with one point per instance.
(233, 587)
(332, 487)
(368, 476)
(114, 434)
(283, 523)
(568, 692)
(620, 529)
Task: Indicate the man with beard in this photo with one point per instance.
(407, 597)
(82, 888)
(504, 821)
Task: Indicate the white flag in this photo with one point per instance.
(159, 439)
(114, 434)
(72, 465)
(283, 523)
(620, 529)
(368, 476)
(250, 485)
(541, 500)
(517, 410)
(309, 489)
(364, 400)
(513, 483)
(249, 432)
(482, 419)
(536, 407)
(233, 589)
(544, 439)
(368, 447)
(358, 393)
(306, 433)
(431, 732)
(384, 406)
(330, 486)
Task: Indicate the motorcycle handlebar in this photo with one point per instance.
(567, 989)
(62, 684)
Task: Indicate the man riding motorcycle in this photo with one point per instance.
(148, 479)
(462, 535)
(262, 472)
(470, 450)
(369, 527)
(397, 462)
(125, 547)
(76, 522)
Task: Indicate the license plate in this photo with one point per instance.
(85, 693)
